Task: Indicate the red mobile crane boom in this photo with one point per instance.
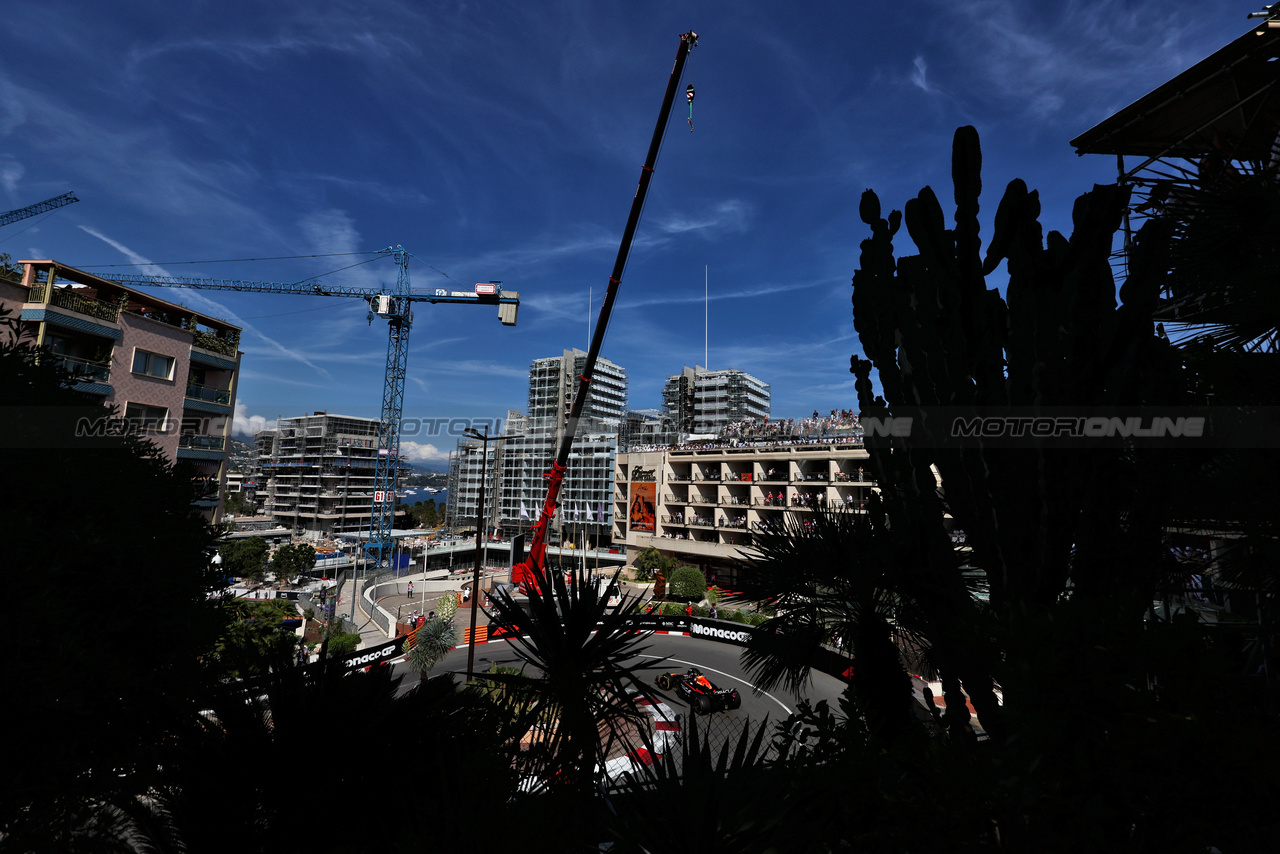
(529, 573)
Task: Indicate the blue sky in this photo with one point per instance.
(503, 140)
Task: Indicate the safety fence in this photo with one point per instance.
(380, 617)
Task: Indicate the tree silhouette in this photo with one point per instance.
(107, 604)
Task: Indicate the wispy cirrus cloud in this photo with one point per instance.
(1075, 53)
(255, 51)
(730, 215)
(478, 366)
(585, 240)
(211, 306)
(277, 379)
(11, 172)
(333, 231)
(13, 109)
(919, 74)
(720, 294)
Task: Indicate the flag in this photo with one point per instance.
(524, 511)
(599, 512)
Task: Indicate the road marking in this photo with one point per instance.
(753, 688)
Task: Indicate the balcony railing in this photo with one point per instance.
(195, 391)
(84, 370)
(72, 301)
(204, 443)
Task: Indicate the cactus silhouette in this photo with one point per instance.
(1037, 519)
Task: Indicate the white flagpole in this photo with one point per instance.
(706, 315)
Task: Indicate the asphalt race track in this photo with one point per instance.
(719, 662)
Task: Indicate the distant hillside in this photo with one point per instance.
(429, 467)
(437, 479)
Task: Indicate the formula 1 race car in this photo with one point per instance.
(698, 691)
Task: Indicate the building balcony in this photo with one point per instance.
(212, 395)
(202, 443)
(84, 370)
(215, 343)
(72, 301)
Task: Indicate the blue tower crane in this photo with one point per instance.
(397, 308)
(38, 208)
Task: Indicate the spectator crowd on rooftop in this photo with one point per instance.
(839, 427)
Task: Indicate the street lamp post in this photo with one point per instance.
(485, 439)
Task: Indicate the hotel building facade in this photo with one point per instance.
(705, 506)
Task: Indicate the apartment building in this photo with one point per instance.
(704, 506)
(169, 371)
(702, 402)
(553, 382)
(317, 474)
(516, 487)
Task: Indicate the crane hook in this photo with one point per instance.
(688, 93)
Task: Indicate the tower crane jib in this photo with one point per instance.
(38, 208)
(396, 308)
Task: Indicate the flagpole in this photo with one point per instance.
(706, 315)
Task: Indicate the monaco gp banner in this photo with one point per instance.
(718, 630)
(373, 655)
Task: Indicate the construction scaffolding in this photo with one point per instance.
(319, 473)
(702, 402)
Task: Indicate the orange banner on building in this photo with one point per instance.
(642, 507)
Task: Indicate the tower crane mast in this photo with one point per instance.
(38, 208)
(397, 308)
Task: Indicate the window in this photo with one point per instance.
(142, 418)
(152, 364)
